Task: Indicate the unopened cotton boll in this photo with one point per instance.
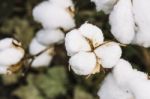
(11, 56)
(83, 63)
(110, 90)
(50, 36)
(105, 5)
(93, 33)
(53, 16)
(142, 19)
(108, 54)
(122, 22)
(75, 42)
(63, 3)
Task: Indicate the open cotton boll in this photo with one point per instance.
(123, 73)
(42, 60)
(109, 54)
(11, 56)
(142, 37)
(142, 18)
(53, 16)
(35, 47)
(93, 33)
(83, 63)
(48, 37)
(63, 3)
(104, 5)
(122, 22)
(140, 88)
(6, 43)
(110, 90)
(75, 42)
(140, 75)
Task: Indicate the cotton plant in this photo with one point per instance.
(56, 17)
(125, 82)
(89, 52)
(129, 20)
(11, 55)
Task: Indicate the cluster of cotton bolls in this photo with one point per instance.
(125, 83)
(56, 16)
(129, 20)
(88, 50)
(11, 54)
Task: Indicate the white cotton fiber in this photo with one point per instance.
(43, 60)
(123, 73)
(110, 90)
(108, 54)
(93, 33)
(83, 63)
(50, 36)
(6, 43)
(75, 42)
(11, 56)
(53, 16)
(140, 88)
(105, 5)
(142, 18)
(62, 3)
(122, 22)
(35, 47)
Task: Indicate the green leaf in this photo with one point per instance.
(28, 92)
(80, 93)
(52, 83)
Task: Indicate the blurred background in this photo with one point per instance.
(56, 81)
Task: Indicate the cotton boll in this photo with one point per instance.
(75, 42)
(142, 37)
(49, 37)
(42, 60)
(35, 47)
(83, 63)
(110, 90)
(122, 21)
(11, 56)
(93, 33)
(53, 16)
(139, 74)
(140, 88)
(123, 73)
(105, 5)
(8, 42)
(63, 3)
(108, 54)
(142, 19)
(5, 43)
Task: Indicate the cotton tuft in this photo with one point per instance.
(83, 63)
(52, 16)
(50, 36)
